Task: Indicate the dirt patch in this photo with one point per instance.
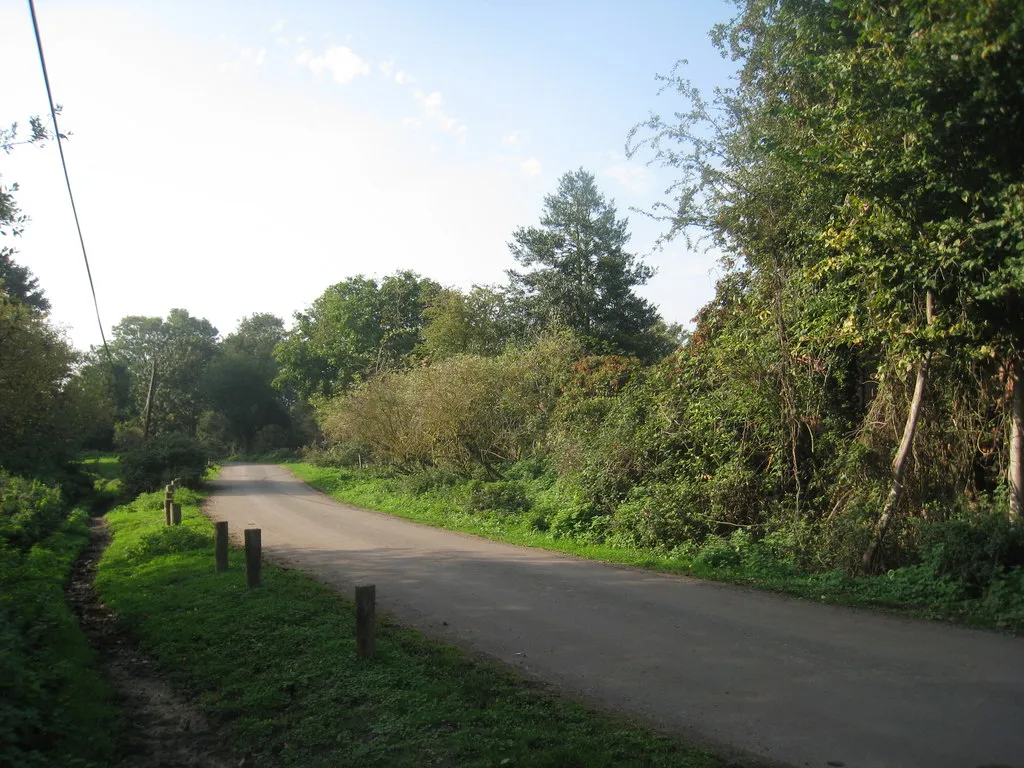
(163, 729)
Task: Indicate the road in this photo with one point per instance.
(789, 681)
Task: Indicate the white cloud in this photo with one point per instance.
(531, 166)
(513, 139)
(404, 78)
(278, 27)
(387, 68)
(260, 57)
(431, 103)
(342, 63)
(633, 177)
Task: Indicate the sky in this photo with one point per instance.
(240, 157)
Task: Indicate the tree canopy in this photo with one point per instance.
(578, 275)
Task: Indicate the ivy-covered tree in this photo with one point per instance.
(578, 276)
(863, 173)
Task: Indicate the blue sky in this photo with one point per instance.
(233, 158)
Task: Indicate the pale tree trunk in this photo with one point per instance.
(1015, 471)
(902, 454)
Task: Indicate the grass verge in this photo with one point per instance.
(912, 590)
(55, 706)
(276, 670)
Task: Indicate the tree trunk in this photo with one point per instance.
(900, 461)
(1015, 471)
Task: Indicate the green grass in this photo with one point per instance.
(912, 590)
(275, 669)
(56, 708)
(105, 472)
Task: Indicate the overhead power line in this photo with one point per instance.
(67, 179)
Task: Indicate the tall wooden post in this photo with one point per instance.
(366, 621)
(220, 545)
(149, 400)
(175, 513)
(253, 556)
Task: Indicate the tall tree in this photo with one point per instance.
(580, 277)
(356, 328)
(238, 385)
(181, 346)
(18, 283)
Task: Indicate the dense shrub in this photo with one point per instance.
(161, 460)
(29, 511)
(504, 496)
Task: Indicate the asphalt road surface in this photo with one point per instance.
(789, 681)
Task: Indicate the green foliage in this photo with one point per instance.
(503, 496)
(459, 414)
(355, 329)
(163, 459)
(181, 347)
(972, 551)
(55, 708)
(482, 322)
(580, 277)
(35, 408)
(29, 511)
(18, 284)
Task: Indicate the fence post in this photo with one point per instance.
(175, 513)
(220, 545)
(366, 621)
(253, 555)
(168, 501)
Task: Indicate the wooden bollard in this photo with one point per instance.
(220, 545)
(175, 514)
(253, 555)
(366, 621)
(168, 502)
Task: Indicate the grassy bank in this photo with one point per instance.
(56, 709)
(527, 514)
(275, 669)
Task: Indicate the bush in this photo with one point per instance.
(717, 552)
(972, 550)
(428, 480)
(163, 459)
(29, 511)
(504, 496)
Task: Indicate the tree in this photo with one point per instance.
(356, 328)
(180, 347)
(237, 386)
(481, 322)
(579, 275)
(35, 363)
(864, 171)
(18, 283)
(256, 336)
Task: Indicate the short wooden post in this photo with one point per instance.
(253, 555)
(168, 501)
(220, 545)
(175, 513)
(366, 621)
